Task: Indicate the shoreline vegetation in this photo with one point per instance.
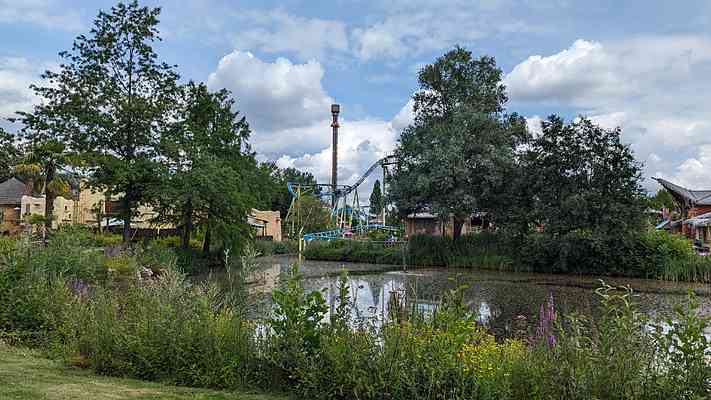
(649, 255)
(135, 315)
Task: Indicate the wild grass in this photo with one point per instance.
(27, 375)
(165, 328)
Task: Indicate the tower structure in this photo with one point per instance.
(335, 110)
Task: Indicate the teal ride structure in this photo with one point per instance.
(348, 218)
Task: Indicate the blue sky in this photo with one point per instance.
(641, 65)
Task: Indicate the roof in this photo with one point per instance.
(684, 195)
(11, 191)
(700, 220)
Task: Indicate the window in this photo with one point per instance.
(27, 208)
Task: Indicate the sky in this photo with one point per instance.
(644, 66)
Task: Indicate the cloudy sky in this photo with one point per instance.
(642, 65)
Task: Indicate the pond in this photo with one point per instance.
(498, 298)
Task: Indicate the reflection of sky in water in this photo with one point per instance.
(496, 303)
(496, 298)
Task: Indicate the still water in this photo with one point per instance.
(498, 298)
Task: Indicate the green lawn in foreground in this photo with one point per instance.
(24, 375)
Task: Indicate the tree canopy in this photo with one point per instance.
(661, 199)
(376, 199)
(207, 165)
(114, 98)
(9, 154)
(455, 154)
(582, 177)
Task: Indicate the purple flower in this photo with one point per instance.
(546, 321)
(78, 287)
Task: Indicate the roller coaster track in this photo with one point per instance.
(343, 190)
(344, 233)
(327, 191)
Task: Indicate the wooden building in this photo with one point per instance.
(694, 211)
(425, 223)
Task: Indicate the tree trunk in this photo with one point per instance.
(457, 224)
(126, 211)
(49, 197)
(206, 242)
(187, 225)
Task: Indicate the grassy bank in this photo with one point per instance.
(26, 375)
(107, 314)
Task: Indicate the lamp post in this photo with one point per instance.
(335, 110)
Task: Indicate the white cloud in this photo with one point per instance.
(276, 31)
(655, 88)
(16, 76)
(693, 173)
(361, 143)
(289, 112)
(42, 12)
(274, 96)
(412, 28)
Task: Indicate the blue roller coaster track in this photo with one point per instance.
(338, 196)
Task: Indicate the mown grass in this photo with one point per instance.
(25, 375)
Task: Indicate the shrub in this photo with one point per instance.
(32, 303)
(268, 247)
(354, 251)
(107, 239)
(7, 246)
(483, 250)
(164, 329)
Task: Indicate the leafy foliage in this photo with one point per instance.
(454, 155)
(279, 178)
(376, 199)
(9, 153)
(583, 177)
(114, 98)
(207, 167)
(662, 199)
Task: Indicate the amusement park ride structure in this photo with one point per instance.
(348, 217)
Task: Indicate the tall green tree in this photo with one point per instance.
(583, 177)
(115, 98)
(210, 171)
(661, 199)
(376, 199)
(456, 153)
(9, 154)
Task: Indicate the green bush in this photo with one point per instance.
(165, 328)
(32, 302)
(107, 239)
(483, 250)
(269, 247)
(354, 251)
(622, 355)
(648, 254)
(7, 246)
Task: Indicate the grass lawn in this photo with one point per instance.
(26, 375)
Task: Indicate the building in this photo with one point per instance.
(694, 211)
(11, 193)
(425, 223)
(63, 212)
(267, 224)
